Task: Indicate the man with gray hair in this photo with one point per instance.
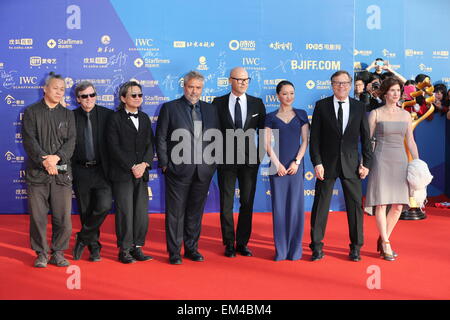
(187, 178)
(90, 163)
(49, 140)
(339, 124)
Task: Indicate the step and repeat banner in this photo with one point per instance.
(157, 42)
(406, 33)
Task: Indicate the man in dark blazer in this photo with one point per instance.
(338, 124)
(130, 141)
(90, 164)
(187, 172)
(240, 115)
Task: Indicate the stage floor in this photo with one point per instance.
(420, 271)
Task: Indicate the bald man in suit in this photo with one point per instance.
(238, 110)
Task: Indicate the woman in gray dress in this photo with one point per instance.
(388, 185)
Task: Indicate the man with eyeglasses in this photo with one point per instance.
(130, 141)
(90, 163)
(241, 115)
(49, 140)
(338, 124)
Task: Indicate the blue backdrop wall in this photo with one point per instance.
(157, 42)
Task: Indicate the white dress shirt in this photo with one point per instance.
(345, 111)
(242, 102)
(134, 119)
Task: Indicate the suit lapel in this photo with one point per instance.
(333, 116)
(141, 118)
(226, 110)
(204, 111)
(127, 119)
(80, 117)
(185, 115)
(96, 127)
(351, 115)
(250, 111)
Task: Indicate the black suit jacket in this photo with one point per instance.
(128, 146)
(328, 145)
(256, 115)
(102, 114)
(175, 115)
(43, 136)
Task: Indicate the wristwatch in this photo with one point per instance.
(297, 162)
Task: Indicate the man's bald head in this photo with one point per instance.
(238, 71)
(239, 81)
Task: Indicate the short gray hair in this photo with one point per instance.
(52, 76)
(338, 73)
(193, 75)
(83, 85)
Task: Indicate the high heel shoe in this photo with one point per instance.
(380, 248)
(387, 256)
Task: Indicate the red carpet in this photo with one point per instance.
(420, 271)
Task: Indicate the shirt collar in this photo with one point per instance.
(127, 111)
(90, 112)
(335, 100)
(188, 103)
(47, 107)
(241, 98)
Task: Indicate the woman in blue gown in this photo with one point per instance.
(290, 130)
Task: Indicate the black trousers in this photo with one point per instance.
(131, 203)
(321, 206)
(94, 199)
(246, 177)
(185, 202)
(58, 199)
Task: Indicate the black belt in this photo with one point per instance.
(89, 164)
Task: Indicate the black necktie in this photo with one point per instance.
(237, 114)
(340, 117)
(196, 117)
(88, 139)
(133, 115)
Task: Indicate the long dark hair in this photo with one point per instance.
(123, 90)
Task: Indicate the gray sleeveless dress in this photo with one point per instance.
(387, 182)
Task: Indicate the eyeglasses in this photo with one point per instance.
(242, 81)
(340, 84)
(135, 95)
(85, 96)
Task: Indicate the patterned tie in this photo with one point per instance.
(88, 139)
(237, 114)
(340, 117)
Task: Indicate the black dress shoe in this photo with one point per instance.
(126, 257)
(317, 255)
(176, 259)
(230, 252)
(94, 250)
(194, 256)
(78, 249)
(243, 250)
(354, 255)
(95, 255)
(137, 254)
